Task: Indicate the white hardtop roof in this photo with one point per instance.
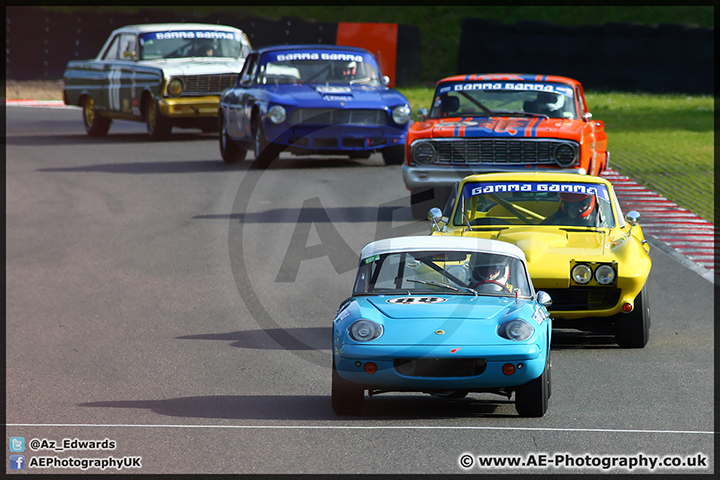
(442, 243)
(158, 27)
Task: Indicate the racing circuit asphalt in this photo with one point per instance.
(164, 300)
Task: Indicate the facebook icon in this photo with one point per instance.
(17, 462)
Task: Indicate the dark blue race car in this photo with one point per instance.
(312, 99)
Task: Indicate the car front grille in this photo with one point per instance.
(582, 298)
(331, 116)
(208, 84)
(440, 367)
(496, 151)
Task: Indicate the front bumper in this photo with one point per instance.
(335, 138)
(190, 107)
(350, 359)
(435, 176)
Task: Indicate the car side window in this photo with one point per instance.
(581, 101)
(248, 72)
(128, 47)
(112, 52)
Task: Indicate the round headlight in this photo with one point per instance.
(365, 330)
(401, 114)
(424, 153)
(581, 274)
(605, 274)
(517, 330)
(277, 114)
(175, 87)
(565, 155)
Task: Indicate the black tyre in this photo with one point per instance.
(531, 399)
(632, 330)
(394, 155)
(158, 126)
(265, 152)
(347, 398)
(230, 151)
(95, 125)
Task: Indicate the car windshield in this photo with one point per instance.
(318, 68)
(552, 100)
(191, 44)
(483, 205)
(442, 272)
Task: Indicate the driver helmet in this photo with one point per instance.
(551, 101)
(490, 267)
(577, 205)
(349, 70)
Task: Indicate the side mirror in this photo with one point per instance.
(434, 214)
(246, 79)
(587, 116)
(436, 218)
(129, 54)
(386, 80)
(422, 114)
(544, 299)
(633, 218)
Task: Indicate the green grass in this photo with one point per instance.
(664, 142)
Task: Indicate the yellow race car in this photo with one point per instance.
(580, 249)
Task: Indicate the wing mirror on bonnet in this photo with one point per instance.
(439, 222)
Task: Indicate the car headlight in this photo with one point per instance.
(517, 330)
(582, 274)
(605, 274)
(565, 155)
(401, 114)
(365, 330)
(424, 153)
(175, 87)
(277, 114)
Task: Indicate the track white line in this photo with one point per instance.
(359, 427)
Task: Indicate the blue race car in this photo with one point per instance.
(444, 316)
(309, 100)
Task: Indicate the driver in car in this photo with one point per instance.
(576, 209)
(492, 272)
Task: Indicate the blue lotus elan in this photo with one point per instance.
(312, 99)
(443, 316)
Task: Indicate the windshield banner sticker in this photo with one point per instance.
(537, 87)
(190, 34)
(472, 189)
(315, 55)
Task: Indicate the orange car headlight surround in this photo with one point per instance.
(424, 153)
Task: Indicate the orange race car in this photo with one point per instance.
(500, 123)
